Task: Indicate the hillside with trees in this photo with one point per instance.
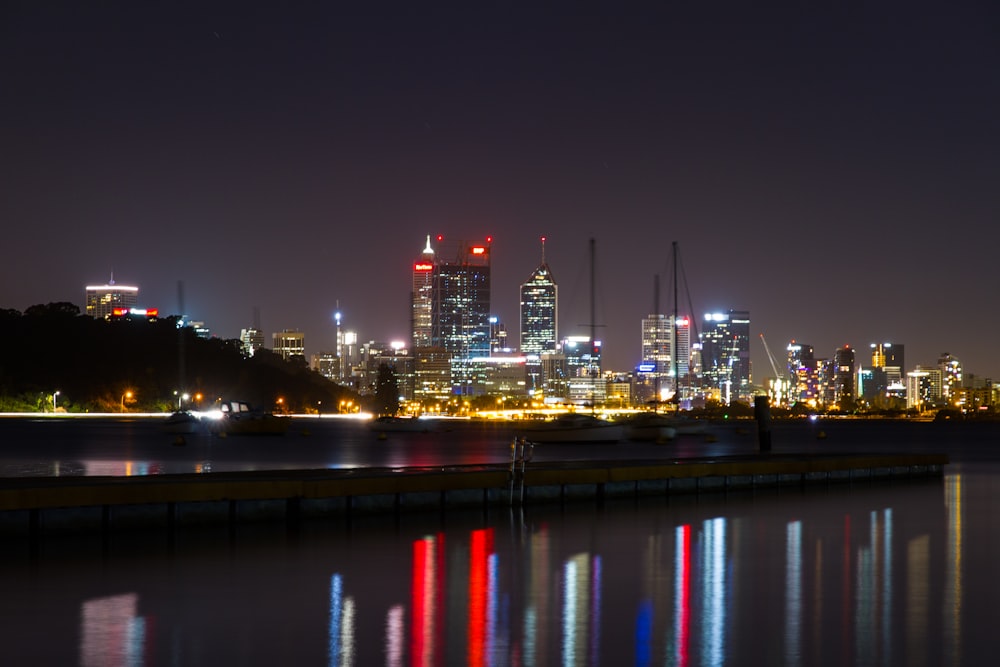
(142, 365)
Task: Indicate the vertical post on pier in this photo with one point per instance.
(762, 413)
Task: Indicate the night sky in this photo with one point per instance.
(834, 170)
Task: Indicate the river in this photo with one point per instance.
(873, 573)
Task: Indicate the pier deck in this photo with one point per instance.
(84, 503)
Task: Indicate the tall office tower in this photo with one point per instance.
(844, 378)
(539, 323)
(251, 340)
(539, 310)
(451, 309)
(289, 343)
(422, 298)
(103, 299)
(657, 344)
(951, 377)
(682, 332)
(460, 317)
(725, 355)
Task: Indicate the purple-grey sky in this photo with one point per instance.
(833, 169)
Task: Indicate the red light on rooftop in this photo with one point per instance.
(489, 239)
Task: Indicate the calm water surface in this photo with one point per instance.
(869, 574)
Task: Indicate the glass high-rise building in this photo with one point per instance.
(451, 308)
(539, 310)
(460, 302)
(539, 321)
(422, 297)
(725, 355)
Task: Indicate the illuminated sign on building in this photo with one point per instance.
(422, 266)
(140, 312)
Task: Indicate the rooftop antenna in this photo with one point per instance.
(543, 250)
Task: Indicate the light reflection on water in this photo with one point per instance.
(854, 576)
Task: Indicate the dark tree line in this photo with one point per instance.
(94, 364)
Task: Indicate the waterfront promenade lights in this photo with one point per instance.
(128, 395)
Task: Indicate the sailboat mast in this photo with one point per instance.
(593, 324)
(677, 377)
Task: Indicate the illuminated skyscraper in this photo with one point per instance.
(451, 309)
(103, 299)
(539, 321)
(539, 310)
(725, 354)
(460, 317)
(422, 297)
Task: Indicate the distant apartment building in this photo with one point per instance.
(923, 388)
(951, 376)
(103, 300)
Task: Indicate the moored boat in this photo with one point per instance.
(573, 427)
(239, 418)
(650, 427)
(183, 422)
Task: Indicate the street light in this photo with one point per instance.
(128, 395)
(56, 393)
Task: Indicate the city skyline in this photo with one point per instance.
(709, 321)
(830, 170)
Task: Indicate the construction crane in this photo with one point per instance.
(770, 357)
(780, 387)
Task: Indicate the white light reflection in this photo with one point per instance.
(576, 609)
(341, 629)
(793, 593)
(714, 593)
(953, 493)
(395, 630)
(111, 633)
